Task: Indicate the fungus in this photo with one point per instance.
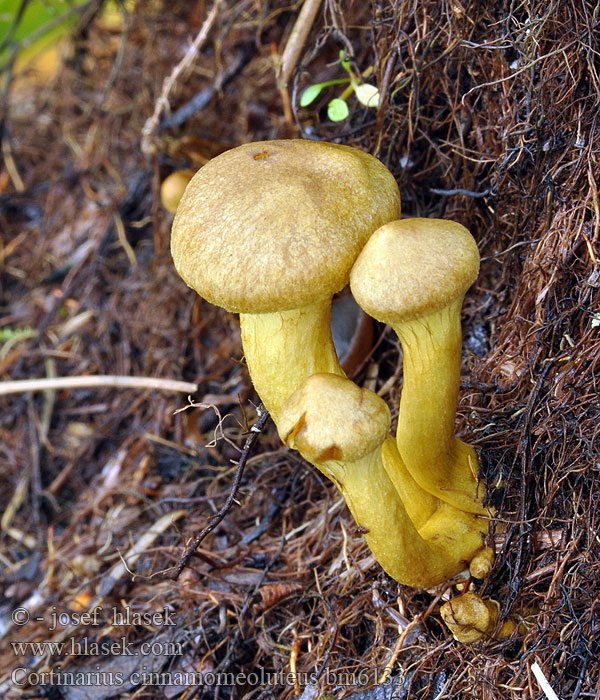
(173, 187)
(413, 275)
(471, 618)
(341, 429)
(481, 564)
(271, 230)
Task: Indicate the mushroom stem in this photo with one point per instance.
(389, 532)
(413, 274)
(439, 462)
(283, 348)
(419, 557)
(419, 504)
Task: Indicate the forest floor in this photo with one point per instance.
(488, 116)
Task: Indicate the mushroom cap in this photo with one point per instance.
(173, 187)
(329, 417)
(277, 225)
(469, 617)
(413, 267)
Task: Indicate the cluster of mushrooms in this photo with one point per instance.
(272, 230)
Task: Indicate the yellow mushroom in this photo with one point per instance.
(173, 187)
(481, 564)
(271, 230)
(413, 274)
(341, 428)
(471, 618)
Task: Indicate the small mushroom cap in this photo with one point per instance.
(173, 187)
(470, 617)
(277, 225)
(329, 417)
(482, 563)
(413, 267)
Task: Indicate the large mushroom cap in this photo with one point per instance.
(277, 225)
(331, 418)
(413, 267)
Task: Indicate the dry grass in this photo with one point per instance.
(489, 118)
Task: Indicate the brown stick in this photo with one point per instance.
(296, 40)
(162, 103)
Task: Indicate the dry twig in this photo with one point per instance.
(22, 386)
(255, 431)
(162, 104)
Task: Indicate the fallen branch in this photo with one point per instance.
(99, 381)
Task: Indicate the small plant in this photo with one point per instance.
(31, 32)
(29, 28)
(337, 109)
(16, 334)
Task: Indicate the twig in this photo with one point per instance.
(508, 250)
(296, 40)
(524, 451)
(122, 237)
(11, 166)
(333, 628)
(201, 99)
(255, 431)
(128, 560)
(162, 103)
(383, 92)
(465, 193)
(517, 72)
(293, 48)
(96, 381)
(119, 57)
(541, 679)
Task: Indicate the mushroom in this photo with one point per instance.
(341, 429)
(173, 187)
(413, 275)
(271, 230)
(470, 618)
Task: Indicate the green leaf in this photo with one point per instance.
(595, 320)
(310, 94)
(14, 334)
(50, 20)
(367, 95)
(337, 110)
(345, 62)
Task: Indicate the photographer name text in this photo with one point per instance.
(117, 617)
